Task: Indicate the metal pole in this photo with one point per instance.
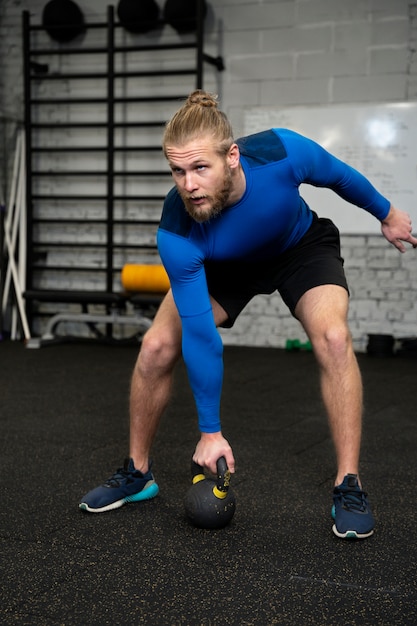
(28, 158)
(110, 147)
(200, 44)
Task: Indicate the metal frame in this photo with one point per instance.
(34, 70)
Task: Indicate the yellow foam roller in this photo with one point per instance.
(152, 278)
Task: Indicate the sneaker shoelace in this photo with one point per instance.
(354, 501)
(122, 474)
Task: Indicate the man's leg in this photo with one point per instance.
(150, 387)
(152, 378)
(323, 313)
(150, 392)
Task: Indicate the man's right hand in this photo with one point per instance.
(210, 448)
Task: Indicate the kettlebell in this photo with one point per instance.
(210, 503)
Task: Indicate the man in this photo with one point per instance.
(235, 226)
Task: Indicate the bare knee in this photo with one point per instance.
(160, 350)
(333, 344)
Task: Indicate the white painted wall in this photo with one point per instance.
(284, 53)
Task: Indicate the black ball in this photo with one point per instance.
(204, 509)
(182, 15)
(138, 16)
(63, 20)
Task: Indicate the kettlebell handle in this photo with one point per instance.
(223, 477)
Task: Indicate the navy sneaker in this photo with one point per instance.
(126, 485)
(351, 511)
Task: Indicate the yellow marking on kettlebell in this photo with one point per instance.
(197, 478)
(226, 480)
(219, 494)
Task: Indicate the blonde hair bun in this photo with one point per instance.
(203, 98)
(199, 116)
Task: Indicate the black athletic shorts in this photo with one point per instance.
(314, 261)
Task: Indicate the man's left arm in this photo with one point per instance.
(397, 228)
(318, 167)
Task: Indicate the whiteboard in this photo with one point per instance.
(379, 140)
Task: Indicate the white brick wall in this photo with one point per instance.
(283, 53)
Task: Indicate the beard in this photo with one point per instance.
(217, 200)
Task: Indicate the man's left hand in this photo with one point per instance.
(397, 228)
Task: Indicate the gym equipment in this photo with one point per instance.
(144, 287)
(407, 347)
(296, 344)
(150, 278)
(182, 15)
(208, 503)
(63, 20)
(380, 345)
(144, 308)
(138, 16)
(14, 230)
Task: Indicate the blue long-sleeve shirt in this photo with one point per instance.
(270, 217)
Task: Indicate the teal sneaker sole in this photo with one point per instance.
(145, 494)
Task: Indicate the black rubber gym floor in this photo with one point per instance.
(64, 429)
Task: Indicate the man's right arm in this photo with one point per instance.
(201, 343)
